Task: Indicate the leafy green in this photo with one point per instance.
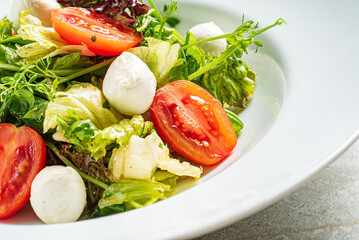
(67, 162)
(86, 101)
(96, 169)
(236, 122)
(173, 21)
(141, 157)
(101, 212)
(8, 54)
(5, 29)
(134, 193)
(226, 77)
(24, 95)
(118, 134)
(77, 131)
(154, 25)
(46, 39)
(166, 178)
(67, 61)
(232, 82)
(160, 57)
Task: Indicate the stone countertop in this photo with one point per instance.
(327, 208)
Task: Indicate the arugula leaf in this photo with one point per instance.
(76, 130)
(8, 54)
(172, 21)
(67, 61)
(236, 122)
(34, 118)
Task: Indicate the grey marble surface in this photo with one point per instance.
(327, 208)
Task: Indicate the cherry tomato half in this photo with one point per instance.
(193, 122)
(22, 156)
(102, 35)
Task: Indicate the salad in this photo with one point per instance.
(105, 107)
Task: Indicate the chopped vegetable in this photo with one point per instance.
(86, 101)
(124, 164)
(119, 134)
(134, 193)
(142, 156)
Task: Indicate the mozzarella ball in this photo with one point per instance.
(208, 30)
(41, 9)
(129, 85)
(58, 195)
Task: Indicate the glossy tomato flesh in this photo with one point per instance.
(22, 156)
(102, 35)
(193, 122)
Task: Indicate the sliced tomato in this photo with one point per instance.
(193, 122)
(102, 35)
(22, 156)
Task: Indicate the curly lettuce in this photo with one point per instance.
(118, 134)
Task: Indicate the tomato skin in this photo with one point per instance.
(102, 35)
(193, 122)
(22, 156)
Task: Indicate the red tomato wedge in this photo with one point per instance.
(102, 35)
(22, 156)
(193, 122)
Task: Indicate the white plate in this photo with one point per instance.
(304, 115)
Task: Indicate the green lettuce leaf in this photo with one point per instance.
(86, 101)
(118, 134)
(142, 156)
(46, 39)
(32, 29)
(232, 82)
(160, 57)
(134, 193)
(101, 212)
(47, 42)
